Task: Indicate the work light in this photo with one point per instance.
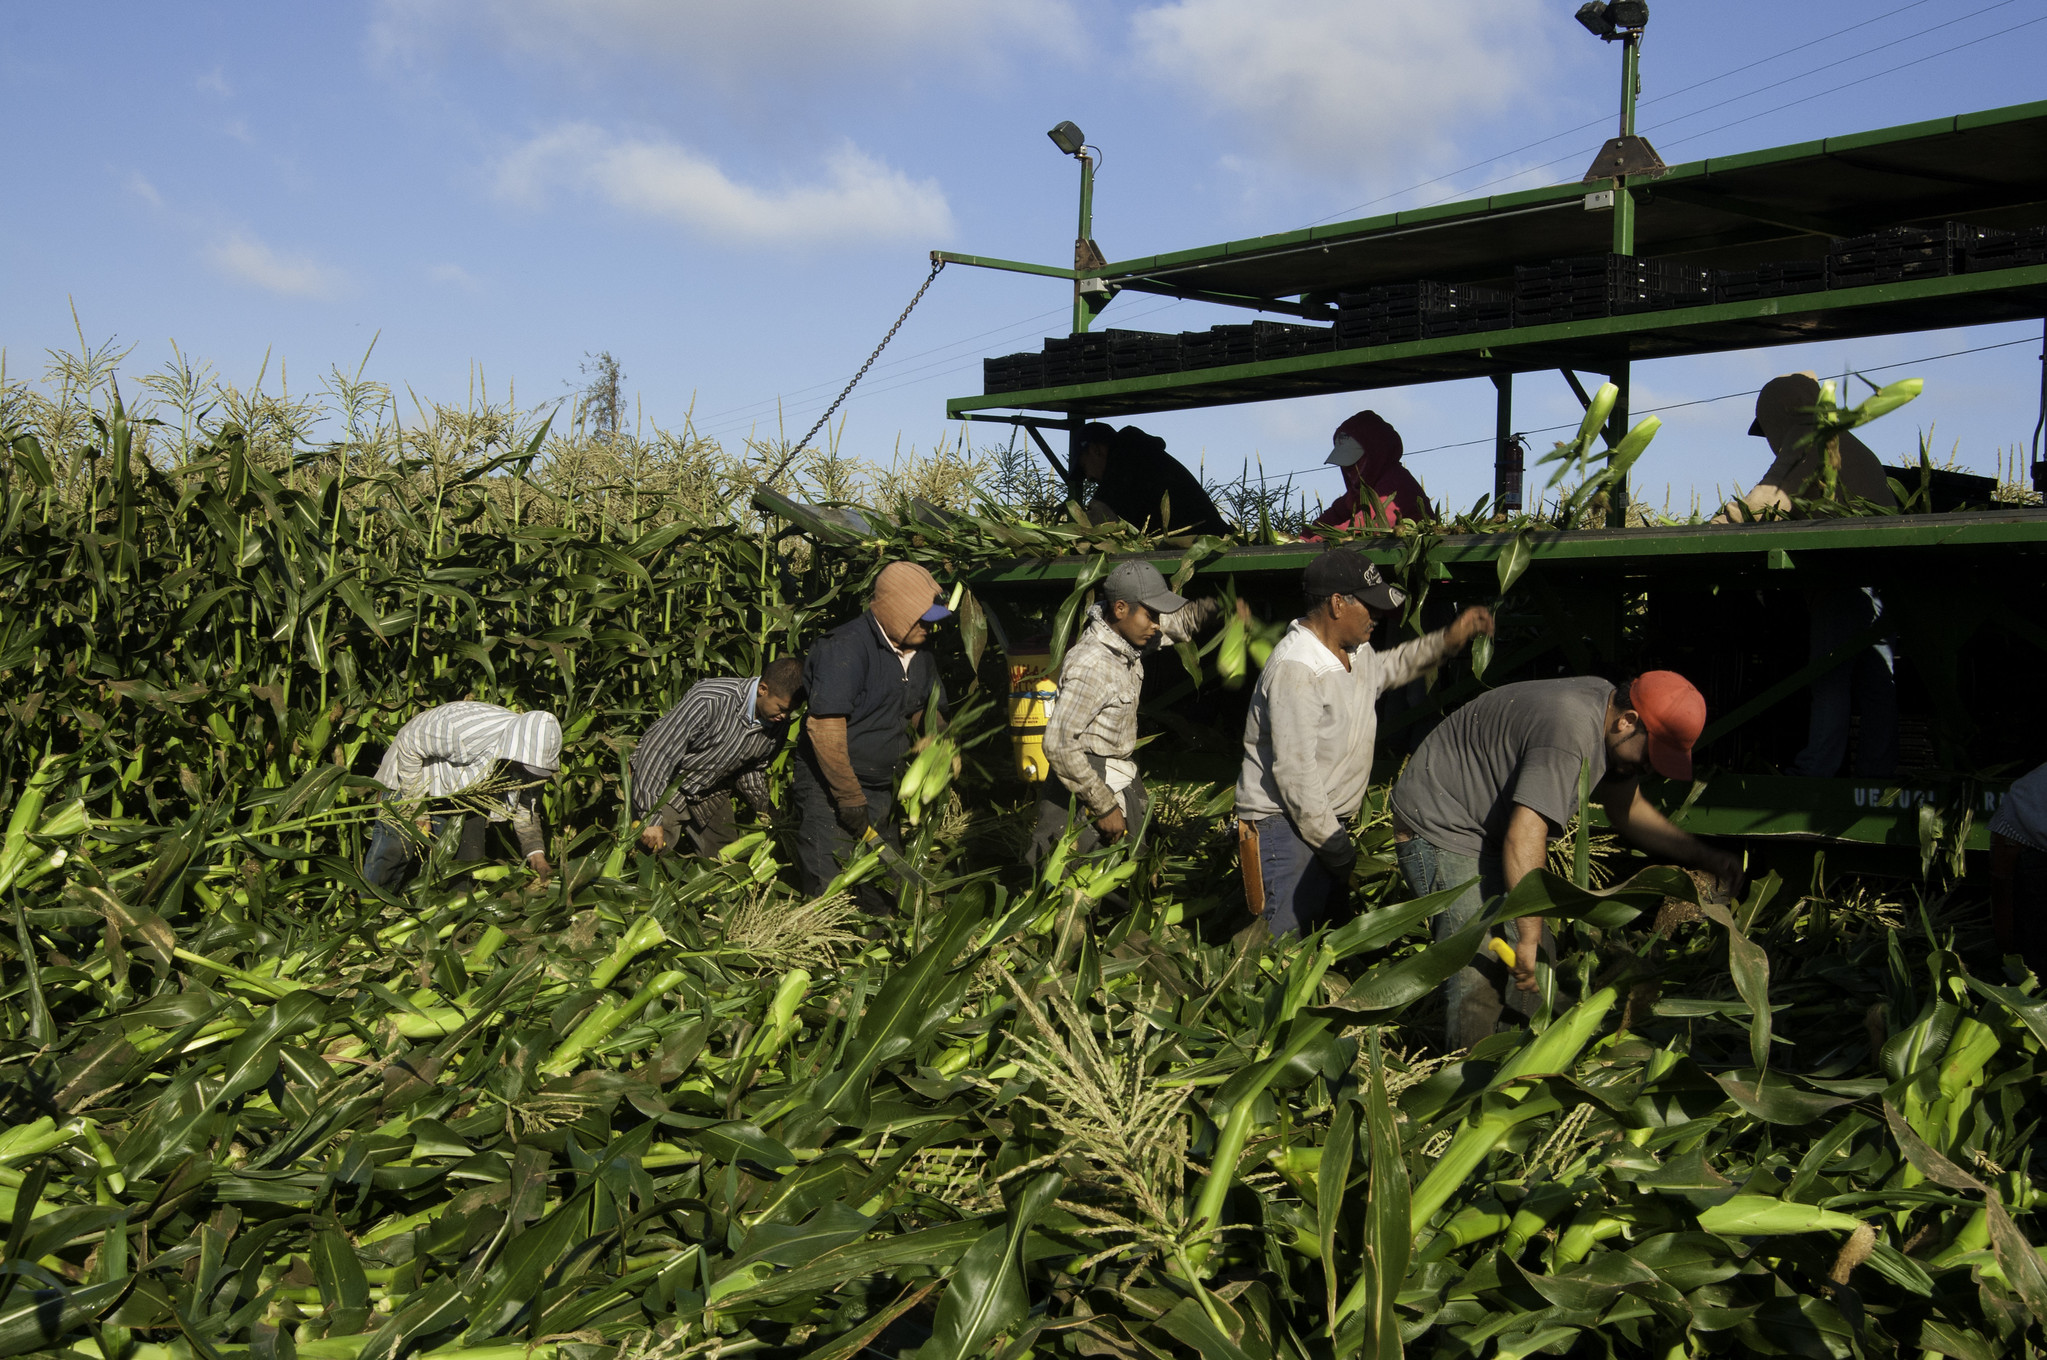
(1068, 138)
(1593, 15)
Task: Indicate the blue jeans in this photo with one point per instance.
(1299, 891)
(1865, 680)
(1478, 994)
(388, 861)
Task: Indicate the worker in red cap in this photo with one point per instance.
(1377, 490)
(1489, 789)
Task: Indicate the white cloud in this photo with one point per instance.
(455, 275)
(857, 198)
(214, 82)
(731, 41)
(140, 186)
(242, 256)
(1346, 88)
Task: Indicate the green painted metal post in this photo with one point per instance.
(1082, 313)
(1507, 465)
(1624, 197)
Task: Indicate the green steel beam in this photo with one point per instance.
(1627, 549)
(1521, 349)
(1013, 266)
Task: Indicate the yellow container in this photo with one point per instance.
(1031, 695)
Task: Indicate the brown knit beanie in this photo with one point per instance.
(902, 593)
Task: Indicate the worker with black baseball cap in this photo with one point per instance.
(1310, 733)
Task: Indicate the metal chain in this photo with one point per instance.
(800, 444)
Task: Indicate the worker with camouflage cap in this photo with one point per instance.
(1091, 740)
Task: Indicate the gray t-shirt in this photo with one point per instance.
(1517, 744)
(2022, 816)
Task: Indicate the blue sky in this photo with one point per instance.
(736, 199)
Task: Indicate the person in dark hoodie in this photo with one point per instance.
(1143, 484)
(1378, 490)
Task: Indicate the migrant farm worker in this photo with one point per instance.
(486, 758)
(1784, 416)
(1141, 483)
(1486, 792)
(2018, 870)
(718, 741)
(1309, 736)
(1378, 490)
(1091, 741)
(867, 680)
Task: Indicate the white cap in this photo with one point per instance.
(1346, 452)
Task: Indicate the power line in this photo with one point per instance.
(1806, 99)
(1658, 99)
(1745, 392)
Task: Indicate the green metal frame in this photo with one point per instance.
(1883, 309)
(1726, 212)
(1690, 176)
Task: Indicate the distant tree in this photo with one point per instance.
(603, 400)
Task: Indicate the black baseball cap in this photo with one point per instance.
(1346, 571)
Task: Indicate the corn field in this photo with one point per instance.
(673, 1107)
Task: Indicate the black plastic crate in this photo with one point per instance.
(1013, 373)
(1199, 349)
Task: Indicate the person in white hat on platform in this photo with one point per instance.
(1378, 490)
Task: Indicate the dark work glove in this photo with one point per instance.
(1339, 857)
(853, 817)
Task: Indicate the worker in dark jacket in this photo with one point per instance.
(1136, 478)
(868, 680)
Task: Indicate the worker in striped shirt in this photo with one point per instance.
(719, 740)
(481, 758)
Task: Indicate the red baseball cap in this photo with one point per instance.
(1673, 713)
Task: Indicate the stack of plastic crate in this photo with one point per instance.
(1081, 358)
(1605, 285)
(1422, 310)
(1140, 354)
(1984, 248)
(1012, 373)
(1896, 254)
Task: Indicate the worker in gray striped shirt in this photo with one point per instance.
(718, 740)
(482, 759)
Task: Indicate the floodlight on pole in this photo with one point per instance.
(1624, 156)
(1089, 295)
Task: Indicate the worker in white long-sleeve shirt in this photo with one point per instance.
(451, 750)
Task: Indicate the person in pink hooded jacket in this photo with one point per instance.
(1368, 450)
